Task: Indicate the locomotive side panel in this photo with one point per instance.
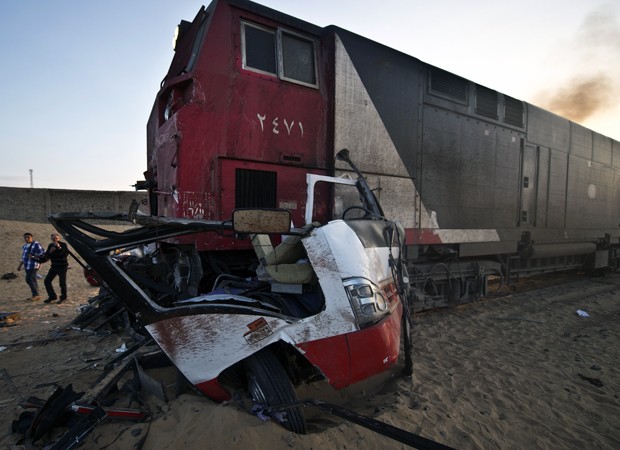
(615, 154)
(557, 190)
(470, 171)
(376, 99)
(375, 116)
(477, 159)
(547, 129)
(602, 149)
(503, 185)
(403, 118)
(542, 195)
(506, 182)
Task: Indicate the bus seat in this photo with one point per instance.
(284, 263)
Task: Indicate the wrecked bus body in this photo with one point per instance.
(322, 301)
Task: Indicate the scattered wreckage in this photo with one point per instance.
(320, 301)
(323, 302)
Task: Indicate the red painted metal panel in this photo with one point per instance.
(331, 356)
(347, 359)
(420, 236)
(214, 390)
(375, 349)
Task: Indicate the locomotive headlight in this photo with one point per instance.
(169, 104)
(368, 303)
(175, 37)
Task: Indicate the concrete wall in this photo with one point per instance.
(35, 205)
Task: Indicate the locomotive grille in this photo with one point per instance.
(255, 188)
(513, 111)
(486, 102)
(442, 82)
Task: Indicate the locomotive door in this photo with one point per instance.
(529, 177)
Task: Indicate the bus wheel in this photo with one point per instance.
(270, 386)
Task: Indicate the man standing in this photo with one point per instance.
(56, 253)
(30, 251)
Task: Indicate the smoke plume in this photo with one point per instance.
(591, 88)
(581, 97)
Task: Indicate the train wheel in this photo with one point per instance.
(269, 385)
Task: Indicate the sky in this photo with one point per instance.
(79, 77)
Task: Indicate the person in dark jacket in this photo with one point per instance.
(56, 253)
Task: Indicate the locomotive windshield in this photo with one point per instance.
(285, 54)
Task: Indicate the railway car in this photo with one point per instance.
(483, 183)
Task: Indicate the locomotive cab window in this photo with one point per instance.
(259, 49)
(283, 54)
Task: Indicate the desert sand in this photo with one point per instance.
(514, 371)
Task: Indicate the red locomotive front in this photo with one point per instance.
(239, 120)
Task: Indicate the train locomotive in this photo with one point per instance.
(458, 183)
(484, 184)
